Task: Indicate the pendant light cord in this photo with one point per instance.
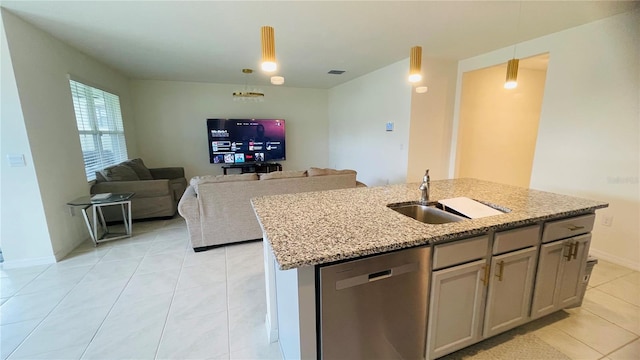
(517, 30)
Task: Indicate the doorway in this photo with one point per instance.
(498, 128)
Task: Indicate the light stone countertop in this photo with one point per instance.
(319, 227)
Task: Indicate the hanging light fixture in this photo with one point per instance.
(511, 81)
(248, 95)
(415, 64)
(512, 74)
(268, 49)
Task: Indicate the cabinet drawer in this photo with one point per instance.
(565, 228)
(459, 252)
(516, 239)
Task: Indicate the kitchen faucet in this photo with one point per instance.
(424, 187)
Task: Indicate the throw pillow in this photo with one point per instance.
(283, 174)
(120, 173)
(197, 180)
(321, 172)
(140, 169)
(100, 178)
(317, 171)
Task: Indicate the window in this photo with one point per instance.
(100, 126)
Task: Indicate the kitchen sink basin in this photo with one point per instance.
(427, 214)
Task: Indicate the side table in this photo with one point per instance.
(85, 202)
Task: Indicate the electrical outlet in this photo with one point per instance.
(607, 220)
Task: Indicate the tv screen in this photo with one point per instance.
(239, 141)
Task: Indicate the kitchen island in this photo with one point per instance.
(304, 232)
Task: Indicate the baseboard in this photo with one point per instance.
(272, 334)
(68, 249)
(209, 247)
(45, 260)
(614, 259)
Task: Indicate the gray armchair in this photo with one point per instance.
(157, 195)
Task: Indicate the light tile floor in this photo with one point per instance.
(151, 296)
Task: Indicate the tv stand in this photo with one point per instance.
(253, 168)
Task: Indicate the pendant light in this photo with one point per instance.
(268, 49)
(511, 81)
(415, 64)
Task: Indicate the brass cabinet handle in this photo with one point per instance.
(570, 252)
(485, 280)
(575, 250)
(501, 271)
(574, 227)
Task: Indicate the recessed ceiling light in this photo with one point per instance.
(277, 80)
(336, 72)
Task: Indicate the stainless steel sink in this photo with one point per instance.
(426, 214)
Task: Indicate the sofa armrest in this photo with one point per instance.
(142, 188)
(167, 173)
(189, 209)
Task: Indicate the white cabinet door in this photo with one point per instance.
(560, 270)
(510, 288)
(456, 310)
(573, 271)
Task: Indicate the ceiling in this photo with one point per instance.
(211, 41)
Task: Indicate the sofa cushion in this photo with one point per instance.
(283, 174)
(196, 180)
(119, 173)
(321, 172)
(137, 165)
(100, 178)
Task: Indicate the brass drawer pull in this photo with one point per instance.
(574, 227)
(485, 279)
(569, 252)
(501, 271)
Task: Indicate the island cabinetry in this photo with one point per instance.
(458, 289)
(481, 293)
(513, 267)
(562, 264)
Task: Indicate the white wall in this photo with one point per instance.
(358, 112)
(171, 122)
(22, 243)
(588, 138)
(41, 65)
(498, 127)
(431, 121)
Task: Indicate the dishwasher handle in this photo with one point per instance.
(376, 276)
(380, 275)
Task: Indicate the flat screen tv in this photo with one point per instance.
(240, 141)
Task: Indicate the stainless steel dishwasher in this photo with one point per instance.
(375, 308)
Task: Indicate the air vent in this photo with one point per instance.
(336, 72)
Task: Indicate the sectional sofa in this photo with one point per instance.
(218, 210)
(157, 190)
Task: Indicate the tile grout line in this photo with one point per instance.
(173, 296)
(110, 310)
(637, 337)
(55, 307)
(612, 295)
(612, 323)
(226, 286)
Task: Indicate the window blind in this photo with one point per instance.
(100, 126)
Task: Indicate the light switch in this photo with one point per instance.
(389, 126)
(16, 160)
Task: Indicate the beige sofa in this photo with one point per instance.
(218, 210)
(157, 190)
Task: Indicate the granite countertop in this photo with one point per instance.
(319, 227)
